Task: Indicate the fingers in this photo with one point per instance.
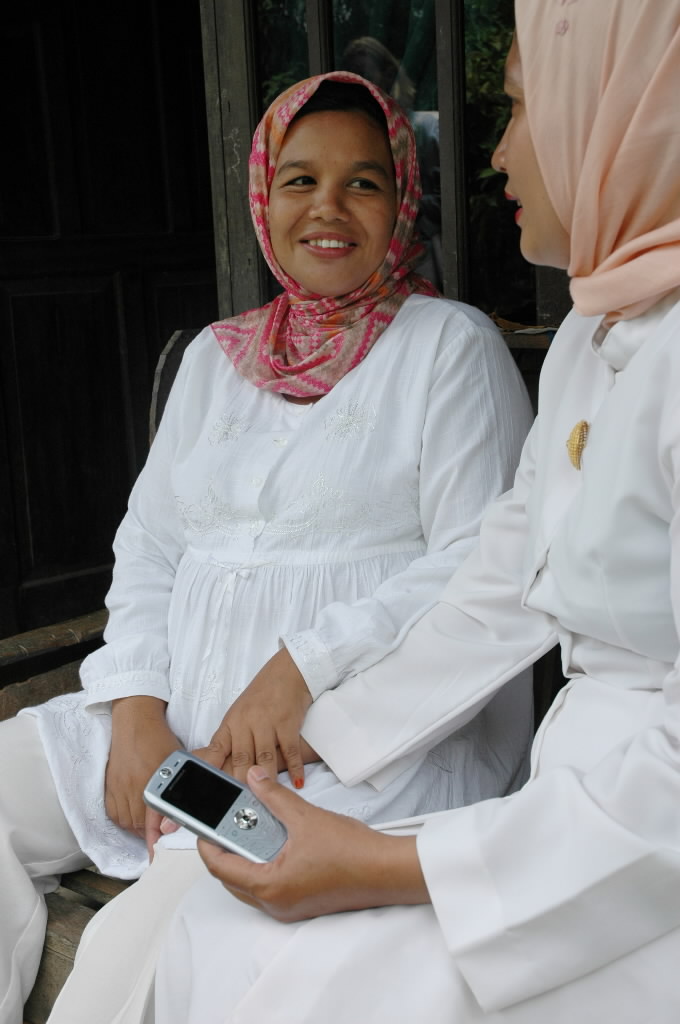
(237, 746)
(290, 745)
(236, 874)
(218, 750)
(153, 829)
(283, 804)
(126, 813)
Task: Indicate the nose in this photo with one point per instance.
(329, 204)
(498, 155)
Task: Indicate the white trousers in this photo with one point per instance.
(112, 981)
(36, 846)
(226, 963)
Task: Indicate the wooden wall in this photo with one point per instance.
(106, 247)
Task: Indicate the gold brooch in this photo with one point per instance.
(577, 442)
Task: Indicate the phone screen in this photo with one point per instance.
(201, 794)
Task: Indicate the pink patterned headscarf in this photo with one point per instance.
(302, 344)
(609, 145)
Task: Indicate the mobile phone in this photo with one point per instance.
(214, 806)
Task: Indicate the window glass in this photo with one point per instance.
(281, 34)
(501, 281)
(392, 43)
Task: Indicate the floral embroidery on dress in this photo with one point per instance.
(350, 421)
(213, 515)
(331, 510)
(71, 730)
(207, 689)
(227, 428)
(305, 652)
(321, 508)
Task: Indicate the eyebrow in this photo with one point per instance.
(357, 166)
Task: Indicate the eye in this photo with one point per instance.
(364, 184)
(301, 181)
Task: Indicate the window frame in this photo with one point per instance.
(229, 50)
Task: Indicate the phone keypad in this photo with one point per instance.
(264, 839)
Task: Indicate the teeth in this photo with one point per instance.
(328, 243)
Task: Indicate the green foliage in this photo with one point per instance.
(501, 279)
(281, 46)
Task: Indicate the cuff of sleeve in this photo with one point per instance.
(126, 684)
(313, 659)
(346, 749)
(467, 904)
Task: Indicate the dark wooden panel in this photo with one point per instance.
(176, 299)
(116, 117)
(451, 94)
(105, 238)
(233, 111)
(27, 204)
(320, 36)
(69, 407)
(67, 417)
(8, 541)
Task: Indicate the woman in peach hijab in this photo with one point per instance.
(561, 902)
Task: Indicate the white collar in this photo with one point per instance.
(617, 344)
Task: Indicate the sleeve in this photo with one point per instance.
(476, 420)
(448, 666)
(148, 546)
(576, 870)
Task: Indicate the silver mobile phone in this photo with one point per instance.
(214, 806)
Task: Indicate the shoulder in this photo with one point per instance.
(448, 320)
(459, 334)
(204, 364)
(198, 375)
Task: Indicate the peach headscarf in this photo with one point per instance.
(609, 145)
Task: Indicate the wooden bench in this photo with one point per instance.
(44, 663)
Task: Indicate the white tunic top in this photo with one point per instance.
(334, 525)
(561, 902)
(580, 870)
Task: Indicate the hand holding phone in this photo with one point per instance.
(215, 806)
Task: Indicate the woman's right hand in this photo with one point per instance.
(140, 740)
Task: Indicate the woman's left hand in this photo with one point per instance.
(263, 724)
(329, 863)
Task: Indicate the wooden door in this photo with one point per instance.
(106, 247)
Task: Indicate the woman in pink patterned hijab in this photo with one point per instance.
(302, 343)
(307, 496)
(561, 902)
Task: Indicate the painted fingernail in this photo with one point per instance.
(299, 783)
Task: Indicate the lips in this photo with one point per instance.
(513, 199)
(328, 243)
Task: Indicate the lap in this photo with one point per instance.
(113, 976)
(226, 963)
(29, 805)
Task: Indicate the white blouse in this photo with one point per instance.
(581, 868)
(331, 527)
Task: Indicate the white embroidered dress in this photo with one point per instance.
(333, 525)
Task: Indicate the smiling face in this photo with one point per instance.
(332, 203)
(544, 240)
